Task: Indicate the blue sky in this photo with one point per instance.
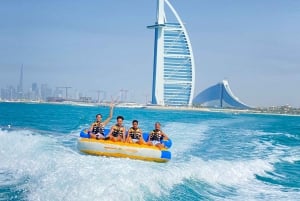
(105, 45)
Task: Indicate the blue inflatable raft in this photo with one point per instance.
(124, 150)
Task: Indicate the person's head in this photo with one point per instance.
(120, 120)
(157, 126)
(98, 117)
(135, 123)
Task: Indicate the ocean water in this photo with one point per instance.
(215, 156)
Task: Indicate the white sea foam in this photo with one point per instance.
(59, 172)
(226, 172)
(184, 136)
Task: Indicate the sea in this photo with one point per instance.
(215, 156)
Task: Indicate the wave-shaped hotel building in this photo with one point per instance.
(220, 96)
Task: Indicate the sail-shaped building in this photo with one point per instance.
(173, 66)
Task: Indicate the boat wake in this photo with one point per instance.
(39, 166)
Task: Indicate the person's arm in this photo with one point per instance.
(124, 134)
(141, 137)
(91, 127)
(165, 137)
(110, 132)
(128, 138)
(148, 140)
(110, 115)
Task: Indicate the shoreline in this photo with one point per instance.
(157, 107)
(221, 110)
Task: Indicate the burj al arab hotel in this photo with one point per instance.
(173, 67)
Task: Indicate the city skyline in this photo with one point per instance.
(45, 92)
(254, 45)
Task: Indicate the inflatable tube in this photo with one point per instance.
(122, 150)
(168, 143)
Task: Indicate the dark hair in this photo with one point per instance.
(120, 117)
(98, 114)
(157, 123)
(135, 121)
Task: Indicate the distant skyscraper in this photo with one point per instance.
(35, 91)
(9, 93)
(45, 92)
(173, 67)
(20, 86)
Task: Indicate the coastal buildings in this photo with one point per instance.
(20, 94)
(173, 66)
(173, 70)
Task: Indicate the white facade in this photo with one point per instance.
(173, 68)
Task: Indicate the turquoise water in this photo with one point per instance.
(215, 156)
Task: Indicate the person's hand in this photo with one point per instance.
(112, 104)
